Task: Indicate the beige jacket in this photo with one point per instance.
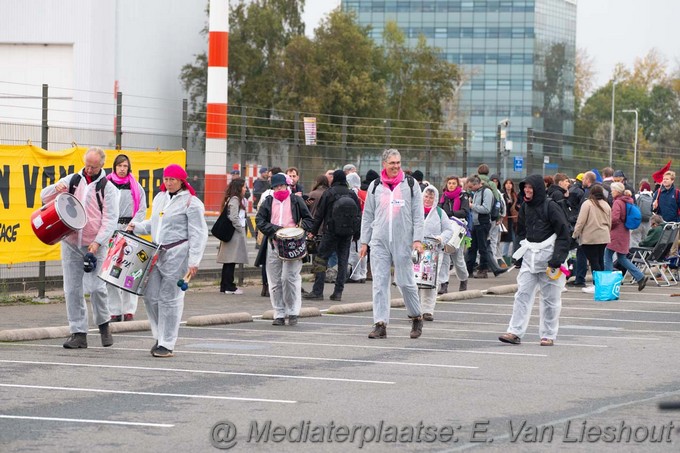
(593, 225)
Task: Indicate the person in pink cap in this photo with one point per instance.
(177, 223)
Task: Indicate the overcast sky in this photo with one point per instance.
(611, 31)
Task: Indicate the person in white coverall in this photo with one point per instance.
(132, 208)
(392, 225)
(99, 227)
(177, 223)
(439, 226)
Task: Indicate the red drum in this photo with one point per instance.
(58, 218)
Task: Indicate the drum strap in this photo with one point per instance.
(173, 244)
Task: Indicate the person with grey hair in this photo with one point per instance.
(349, 168)
(392, 225)
(101, 203)
(356, 265)
(620, 237)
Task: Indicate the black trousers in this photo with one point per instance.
(227, 281)
(331, 243)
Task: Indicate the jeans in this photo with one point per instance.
(623, 260)
(480, 243)
(227, 281)
(331, 245)
(581, 266)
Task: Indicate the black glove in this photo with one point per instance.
(554, 264)
(517, 263)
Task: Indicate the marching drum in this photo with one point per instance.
(129, 262)
(291, 243)
(58, 218)
(459, 232)
(426, 268)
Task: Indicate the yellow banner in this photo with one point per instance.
(25, 170)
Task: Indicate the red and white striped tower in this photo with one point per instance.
(216, 112)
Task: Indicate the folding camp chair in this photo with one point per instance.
(645, 258)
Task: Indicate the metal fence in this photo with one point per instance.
(260, 136)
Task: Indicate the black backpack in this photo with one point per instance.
(101, 184)
(345, 217)
(410, 179)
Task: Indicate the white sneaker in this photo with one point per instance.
(588, 289)
(238, 291)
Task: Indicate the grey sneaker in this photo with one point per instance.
(279, 322)
(76, 341)
(162, 352)
(292, 320)
(463, 286)
(105, 332)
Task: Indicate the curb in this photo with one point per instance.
(350, 308)
(35, 333)
(305, 312)
(461, 295)
(502, 289)
(221, 318)
(129, 326)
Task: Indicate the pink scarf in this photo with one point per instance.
(427, 210)
(391, 183)
(281, 194)
(134, 188)
(454, 196)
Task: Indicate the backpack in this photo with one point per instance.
(633, 216)
(644, 202)
(496, 205)
(345, 218)
(101, 184)
(566, 210)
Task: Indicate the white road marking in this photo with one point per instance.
(125, 392)
(182, 370)
(79, 420)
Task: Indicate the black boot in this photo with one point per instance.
(76, 341)
(443, 288)
(105, 333)
(265, 290)
(463, 286)
(416, 327)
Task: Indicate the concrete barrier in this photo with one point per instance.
(461, 295)
(305, 312)
(220, 318)
(502, 289)
(129, 326)
(35, 333)
(350, 308)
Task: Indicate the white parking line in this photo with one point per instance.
(124, 392)
(598, 328)
(181, 370)
(79, 420)
(602, 307)
(429, 337)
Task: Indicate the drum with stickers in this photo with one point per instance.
(291, 243)
(58, 218)
(425, 269)
(129, 262)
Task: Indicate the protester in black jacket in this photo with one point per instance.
(331, 241)
(544, 246)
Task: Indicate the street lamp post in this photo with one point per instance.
(611, 129)
(634, 146)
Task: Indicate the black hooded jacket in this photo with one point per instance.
(536, 227)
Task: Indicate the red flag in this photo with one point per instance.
(658, 176)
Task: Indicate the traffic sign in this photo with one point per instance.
(518, 162)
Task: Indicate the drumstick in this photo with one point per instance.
(357, 266)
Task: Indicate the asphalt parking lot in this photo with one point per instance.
(324, 386)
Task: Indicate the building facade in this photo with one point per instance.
(518, 60)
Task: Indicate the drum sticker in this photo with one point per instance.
(37, 222)
(115, 271)
(129, 281)
(127, 250)
(142, 256)
(136, 274)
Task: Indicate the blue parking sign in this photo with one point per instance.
(518, 163)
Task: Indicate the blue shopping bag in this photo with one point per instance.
(607, 285)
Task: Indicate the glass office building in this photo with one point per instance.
(518, 60)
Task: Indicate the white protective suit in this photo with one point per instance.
(123, 302)
(437, 225)
(99, 228)
(178, 224)
(391, 222)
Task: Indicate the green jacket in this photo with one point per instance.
(653, 236)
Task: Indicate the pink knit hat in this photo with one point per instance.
(177, 172)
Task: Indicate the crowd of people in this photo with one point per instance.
(378, 229)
